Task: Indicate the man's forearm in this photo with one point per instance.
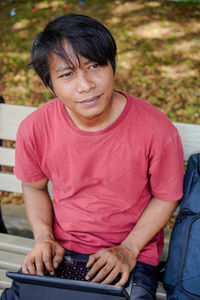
(154, 217)
(46, 252)
(39, 211)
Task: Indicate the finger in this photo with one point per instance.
(39, 263)
(25, 268)
(30, 264)
(123, 280)
(95, 268)
(91, 260)
(58, 257)
(103, 273)
(47, 259)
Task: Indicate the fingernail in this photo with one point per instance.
(87, 277)
(56, 265)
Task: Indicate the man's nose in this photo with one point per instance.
(84, 82)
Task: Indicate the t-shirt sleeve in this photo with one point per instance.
(27, 167)
(166, 172)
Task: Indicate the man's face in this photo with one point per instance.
(85, 90)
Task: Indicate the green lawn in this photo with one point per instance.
(158, 50)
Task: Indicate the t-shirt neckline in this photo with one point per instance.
(115, 124)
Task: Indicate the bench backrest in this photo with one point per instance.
(12, 115)
(10, 118)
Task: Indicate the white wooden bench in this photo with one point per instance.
(12, 248)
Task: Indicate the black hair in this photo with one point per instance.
(86, 36)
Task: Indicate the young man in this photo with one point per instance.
(116, 162)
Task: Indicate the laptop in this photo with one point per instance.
(68, 283)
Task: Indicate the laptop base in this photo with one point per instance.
(35, 287)
(38, 292)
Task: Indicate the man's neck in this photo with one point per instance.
(101, 121)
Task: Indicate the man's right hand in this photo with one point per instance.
(46, 253)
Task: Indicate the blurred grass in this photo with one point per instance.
(158, 50)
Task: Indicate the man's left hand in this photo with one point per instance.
(106, 265)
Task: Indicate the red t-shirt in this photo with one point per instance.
(103, 180)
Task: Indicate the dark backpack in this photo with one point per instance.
(182, 272)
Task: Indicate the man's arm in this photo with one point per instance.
(40, 215)
(122, 258)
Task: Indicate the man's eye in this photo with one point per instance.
(66, 75)
(94, 66)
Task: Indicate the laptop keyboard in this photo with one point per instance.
(74, 270)
(70, 269)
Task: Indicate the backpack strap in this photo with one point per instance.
(183, 257)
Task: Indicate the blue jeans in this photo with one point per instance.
(144, 281)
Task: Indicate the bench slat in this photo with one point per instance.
(5, 282)
(15, 244)
(7, 156)
(10, 262)
(9, 183)
(190, 137)
(13, 250)
(10, 118)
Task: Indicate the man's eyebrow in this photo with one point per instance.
(88, 61)
(62, 69)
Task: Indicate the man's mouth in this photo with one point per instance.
(90, 101)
